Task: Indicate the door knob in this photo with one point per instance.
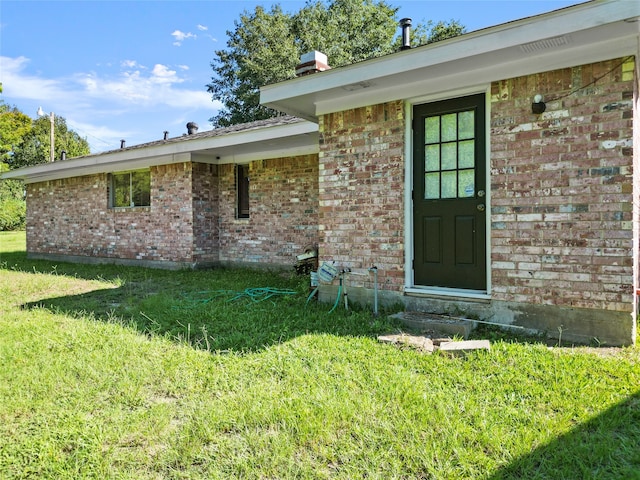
(480, 207)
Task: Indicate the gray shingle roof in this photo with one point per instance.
(217, 132)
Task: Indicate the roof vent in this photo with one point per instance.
(357, 86)
(122, 142)
(192, 128)
(405, 25)
(166, 134)
(545, 44)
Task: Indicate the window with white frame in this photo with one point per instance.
(130, 189)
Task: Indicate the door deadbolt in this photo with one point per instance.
(480, 207)
(481, 193)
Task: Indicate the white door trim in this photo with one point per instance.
(410, 287)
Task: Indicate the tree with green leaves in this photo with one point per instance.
(261, 50)
(35, 146)
(14, 125)
(25, 142)
(265, 47)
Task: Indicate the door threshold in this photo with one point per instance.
(447, 292)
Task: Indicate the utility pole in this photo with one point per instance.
(52, 141)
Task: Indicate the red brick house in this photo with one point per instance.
(243, 194)
(490, 175)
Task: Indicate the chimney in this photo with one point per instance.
(192, 128)
(122, 142)
(312, 62)
(405, 25)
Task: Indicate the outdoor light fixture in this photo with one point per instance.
(538, 106)
(51, 132)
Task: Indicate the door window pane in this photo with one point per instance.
(449, 130)
(449, 155)
(449, 185)
(466, 124)
(432, 158)
(432, 129)
(466, 184)
(466, 152)
(432, 186)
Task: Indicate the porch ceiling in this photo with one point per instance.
(585, 33)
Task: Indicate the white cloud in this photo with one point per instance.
(18, 85)
(130, 64)
(138, 86)
(110, 106)
(162, 74)
(202, 28)
(180, 37)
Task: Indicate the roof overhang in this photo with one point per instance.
(292, 139)
(584, 33)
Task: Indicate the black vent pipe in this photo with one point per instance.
(405, 24)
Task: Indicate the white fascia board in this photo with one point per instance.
(318, 86)
(477, 72)
(288, 140)
(244, 137)
(89, 166)
(253, 142)
(266, 134)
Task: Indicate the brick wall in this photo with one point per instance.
(283, 209)
(205, 213)
(169, 220)
(362, 191)
(562, 188)
(71, 217)
(191, 219)
(68, 216)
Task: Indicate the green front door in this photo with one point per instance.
(449, 195)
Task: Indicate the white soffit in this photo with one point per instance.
(585, 33)
(299, 138)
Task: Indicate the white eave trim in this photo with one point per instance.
(259, 143)
(91, 165)
(310, 96)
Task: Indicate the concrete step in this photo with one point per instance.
(464, 347)
(423, 344)
(427, 345)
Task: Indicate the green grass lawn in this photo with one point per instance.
(130, 373)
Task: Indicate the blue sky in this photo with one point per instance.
(131, 70)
